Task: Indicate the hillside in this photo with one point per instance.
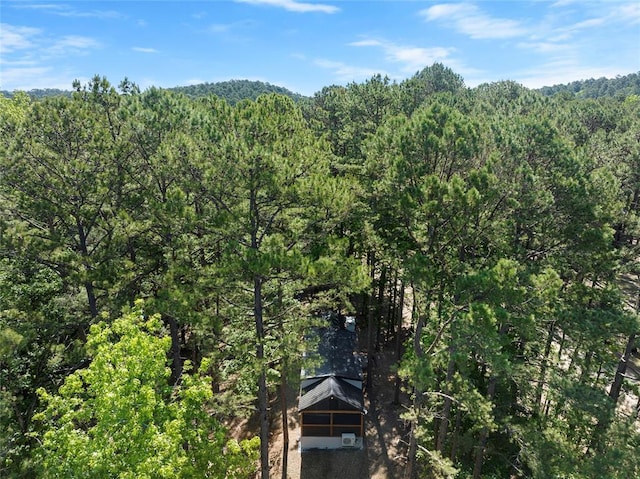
(235, 90)
(39, 93)
(621, 86)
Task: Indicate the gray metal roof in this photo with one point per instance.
(329, 390)
(331, 371)
(336, 355)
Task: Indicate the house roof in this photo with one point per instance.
(332, 387)
(336, 355)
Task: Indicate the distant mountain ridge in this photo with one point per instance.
(39, 92)
(620, 86)
(236, 90)
(233, 91)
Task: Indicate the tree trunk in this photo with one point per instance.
(88, 284)
(371, 326)
(455, 441)
(446, 409)
(616, 387)
(585, 372)
(284, 369)
(599, 373)
(596, 443)
(484, 435)
(392, 318)
(410, 470)
(263, 400)
(399, 318)
(379, 304)
(285, 419)
(543, 369)
(91, 298)
(176, 359)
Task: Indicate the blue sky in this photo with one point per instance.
(305, 45)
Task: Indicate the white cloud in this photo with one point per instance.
(144, 50)
(564, 71)
(347, 73)
(629, 13)
(32, 58)
(37, 77)
(72, 45)
(295, 6)
(564, 3)
(592, 22)
(41, 6)
(565, 40)
(220, 27)
(468, 19)
(64, 10)
(410, 58)
(19, 77)
(76, 41)
(231, 27)
(366, 43)
(22, 62)
(545, 47)
(601, 14)
(566, 32)
(14, 38)
(105, 14)
(619, 10)
(416, 58)
(444, 10)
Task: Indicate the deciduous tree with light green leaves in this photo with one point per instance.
(119, 418)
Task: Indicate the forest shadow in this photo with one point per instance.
(373, 419)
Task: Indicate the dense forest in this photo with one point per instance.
(38, 93)
(619, 87)
(163, 255)
(233, 91)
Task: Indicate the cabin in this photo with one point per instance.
(331, 404)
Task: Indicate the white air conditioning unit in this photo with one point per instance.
(348, 439)
(350, 324)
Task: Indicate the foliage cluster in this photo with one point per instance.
(119, 418)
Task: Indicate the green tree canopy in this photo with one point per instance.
(119, 417)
